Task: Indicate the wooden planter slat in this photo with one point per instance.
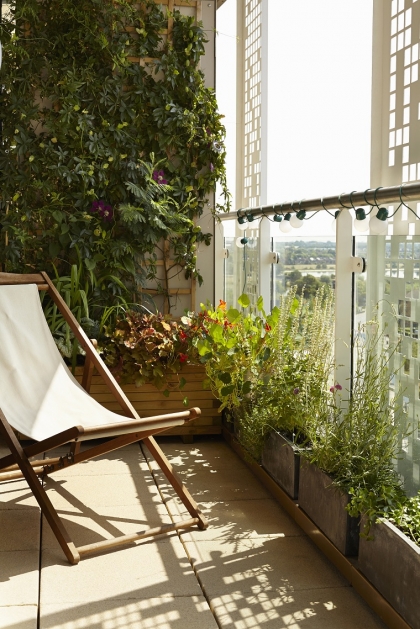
(147, 400)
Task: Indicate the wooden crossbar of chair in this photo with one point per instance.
(130, 429)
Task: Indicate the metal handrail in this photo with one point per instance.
(371, 196)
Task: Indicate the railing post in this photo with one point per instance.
(343, 299)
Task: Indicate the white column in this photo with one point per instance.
(343, 299)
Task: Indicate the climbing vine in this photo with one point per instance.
(104, 155)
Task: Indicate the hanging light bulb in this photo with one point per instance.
(242, 223)
(241, 241)
(277, 218)
(379, 224)
(250, 218)
(285, 225)
(255, 224)
(361, 223)
(297, 219)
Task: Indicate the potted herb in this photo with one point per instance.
(289, 386)
(353, 445)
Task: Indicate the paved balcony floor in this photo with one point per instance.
(252, 568)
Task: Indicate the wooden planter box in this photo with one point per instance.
(281, 461)
(326, 506)
(391, 562)
(148, 400)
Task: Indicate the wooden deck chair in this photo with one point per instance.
(40, 398)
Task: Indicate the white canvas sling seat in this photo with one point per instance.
(40, 398)
(38, 393)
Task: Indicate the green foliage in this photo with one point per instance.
(356, 440)
(233, 346)
(291, 386)
(406, 516)
(146, 348)
(101, 154)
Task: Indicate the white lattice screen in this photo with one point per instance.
(252, 103)
(393, 278)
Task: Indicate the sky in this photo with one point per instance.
(319, 97)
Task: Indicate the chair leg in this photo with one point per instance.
(175, 481)
(38, 491)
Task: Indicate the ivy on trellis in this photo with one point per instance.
(84, 129)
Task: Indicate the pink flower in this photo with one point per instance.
(103, 210)
(159, 177)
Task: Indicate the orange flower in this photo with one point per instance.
(222, 304)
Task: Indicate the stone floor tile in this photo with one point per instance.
(94, 525)
(168, 612)
(18, 617)
(150, 569)
(261, 564)
(19, 577)
(210, 454)
(16, 494)
(239, 519)
(117, 462)
(207, 485)
(81, 492)
(20, 529)
(335, 608)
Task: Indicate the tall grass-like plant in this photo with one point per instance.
(293, 386)
(357, 444)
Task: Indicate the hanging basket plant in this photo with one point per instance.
(110, 140)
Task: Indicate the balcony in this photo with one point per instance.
(253, 567)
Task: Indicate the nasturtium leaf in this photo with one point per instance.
(260, 304)
(232, 315)
(225, 377)
(182, 383)
(244, 300)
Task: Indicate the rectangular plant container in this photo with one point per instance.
(326, 506)
(148, 400)
(391, 562)
(281, 461)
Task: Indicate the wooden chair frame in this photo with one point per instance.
(18, 465)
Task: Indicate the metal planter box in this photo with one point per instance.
(391, 562)
(281, 461)
(326, 506)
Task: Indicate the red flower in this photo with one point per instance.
(183, 358)
(182, 336)
(267, 327)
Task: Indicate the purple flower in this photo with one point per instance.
(159, 177)
(296, 391)
(211, 168)
(103, 210)
(338, 387)
(332, 389)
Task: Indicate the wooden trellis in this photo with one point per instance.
(173, 285)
